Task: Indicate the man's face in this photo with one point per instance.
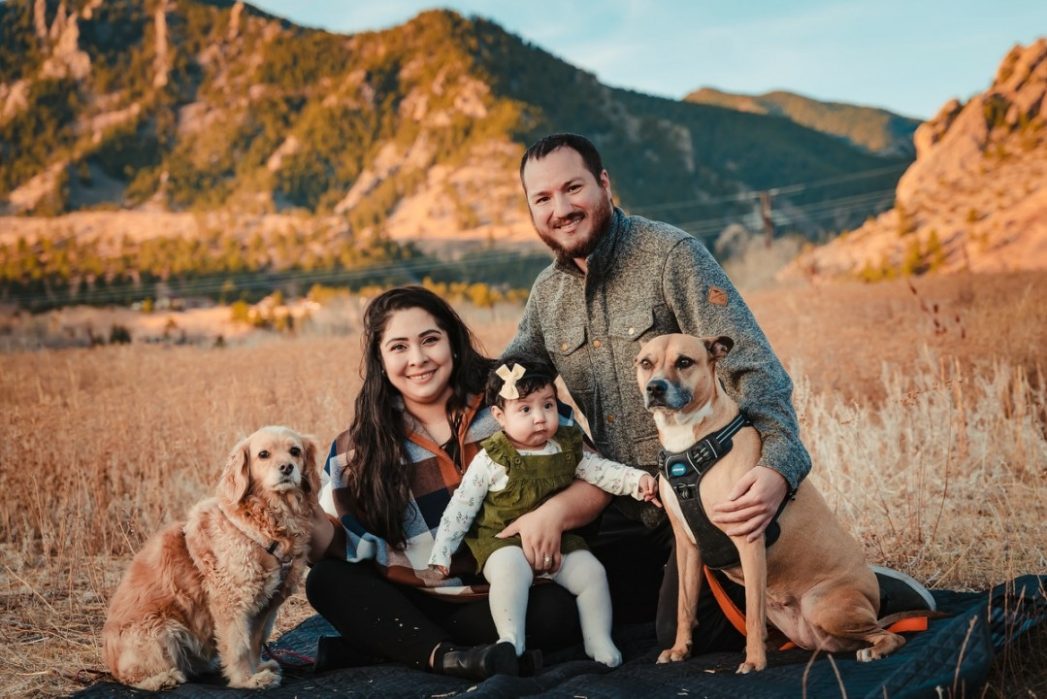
(570, 209)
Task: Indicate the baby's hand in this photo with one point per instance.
(441, 570)
(649, 489)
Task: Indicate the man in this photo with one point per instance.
(617, 281)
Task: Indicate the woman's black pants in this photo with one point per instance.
(377, 617)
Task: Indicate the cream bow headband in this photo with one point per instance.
(510, 377)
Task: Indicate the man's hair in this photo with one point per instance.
(580, 144)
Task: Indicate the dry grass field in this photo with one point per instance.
(924, 410)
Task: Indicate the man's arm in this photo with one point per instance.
(705, 303)
(540, 529)
(529, 339)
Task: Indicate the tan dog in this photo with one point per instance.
(813, 583)
(211, 585)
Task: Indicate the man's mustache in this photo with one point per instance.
(568, 219)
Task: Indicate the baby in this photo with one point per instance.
(530, 459)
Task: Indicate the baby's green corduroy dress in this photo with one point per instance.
(532, 478)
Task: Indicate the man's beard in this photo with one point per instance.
(600, 220)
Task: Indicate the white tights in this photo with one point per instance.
(510, 576)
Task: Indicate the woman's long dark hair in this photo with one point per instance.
(377, 472)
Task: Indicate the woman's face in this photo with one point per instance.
(417, 357)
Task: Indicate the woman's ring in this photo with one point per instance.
(548, 560)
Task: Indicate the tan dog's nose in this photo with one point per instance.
(656, 389)
(287, 469)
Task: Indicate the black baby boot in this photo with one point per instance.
(476, 662)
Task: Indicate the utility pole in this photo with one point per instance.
(765, 214)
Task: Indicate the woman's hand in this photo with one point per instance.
(540, 533)
(324, 536)
(440, 570)
(752, 503)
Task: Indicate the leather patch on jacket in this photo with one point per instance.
(717, 296)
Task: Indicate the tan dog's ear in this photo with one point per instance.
(311, 469)
(718, 346)
(236, 477)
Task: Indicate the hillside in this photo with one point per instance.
(876, 130)
(976, 197)
(214, 116)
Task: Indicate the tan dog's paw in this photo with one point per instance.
(263, 679)
(751, 666)
(866, 655)
(674, 654)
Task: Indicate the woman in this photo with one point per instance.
(418, 422)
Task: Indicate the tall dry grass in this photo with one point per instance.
(937, 466)
(943, 478)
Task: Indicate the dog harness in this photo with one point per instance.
(684, 472)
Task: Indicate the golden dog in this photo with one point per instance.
(211, 585)
(813, 583)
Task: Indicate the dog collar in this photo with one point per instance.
(706, 452)
(271, 546)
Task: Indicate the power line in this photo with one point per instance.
(774, 191)
(855, 201)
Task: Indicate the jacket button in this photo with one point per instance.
(610, 419)
(631, 331)
(563, 347)
(597, 344)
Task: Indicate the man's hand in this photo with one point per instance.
(540, 531)
(752, 503)
(649, 489)
(439, 569)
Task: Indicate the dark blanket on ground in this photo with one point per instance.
(954, 654)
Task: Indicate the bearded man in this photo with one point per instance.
(616, 282)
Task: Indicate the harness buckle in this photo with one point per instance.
(685, 491)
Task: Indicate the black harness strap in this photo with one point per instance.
(684, 472)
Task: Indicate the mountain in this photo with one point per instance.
(976, 196)
(876, 130)
(215, 123)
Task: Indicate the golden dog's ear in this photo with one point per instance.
(311, 469)
(236, 477)
(718, 346)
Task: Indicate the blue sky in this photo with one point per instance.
(909, 56)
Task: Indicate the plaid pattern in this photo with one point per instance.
(433, 477)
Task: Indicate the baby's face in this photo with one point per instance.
(529, 422)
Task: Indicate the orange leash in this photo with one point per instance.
(730, 609)
(737, 619)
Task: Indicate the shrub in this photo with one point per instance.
(240, 312)
(119, 335)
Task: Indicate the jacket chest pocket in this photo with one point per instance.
(566, 348)
(628, 331)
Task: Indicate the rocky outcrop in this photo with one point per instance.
(162, 63)
(976, 196)
(66, 59)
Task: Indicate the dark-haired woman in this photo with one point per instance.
(419, 421)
